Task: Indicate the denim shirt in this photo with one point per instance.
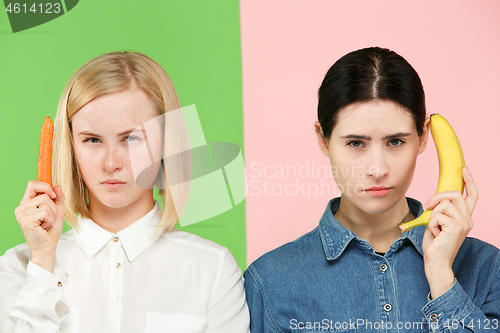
(330, 280)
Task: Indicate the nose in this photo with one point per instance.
(377, 164)
(113, 159)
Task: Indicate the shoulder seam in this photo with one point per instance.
(217, 248)
(273, 324)
(219, 273)
(300, 238)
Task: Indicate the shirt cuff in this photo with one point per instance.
(58, 279)
(452, 306)
(54, 282)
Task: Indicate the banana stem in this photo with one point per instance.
(423, 219)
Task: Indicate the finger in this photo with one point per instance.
(449, 217)
(439, 223)
(470, 188)
(445, 207)
(454, 197)
(59, 214)
(30, 206)
(46, 225)
(39, 201)
(59, 203)
(59, 200)
(44, 219)
(432, 228)
(34, 188)
(31, 219)
(49, 206)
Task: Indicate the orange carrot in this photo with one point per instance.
(44, 169)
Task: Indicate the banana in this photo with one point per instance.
(451, 161)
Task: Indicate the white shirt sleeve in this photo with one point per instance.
(227, 310)
(31, 298)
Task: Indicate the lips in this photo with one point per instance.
(377, 191)
(113, 184)
(113, 181)
(377, 188)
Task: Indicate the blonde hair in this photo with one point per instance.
(109, 73)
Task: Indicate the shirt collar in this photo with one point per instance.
(135, 239)
(335, 237)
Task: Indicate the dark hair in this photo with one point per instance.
(370, 74)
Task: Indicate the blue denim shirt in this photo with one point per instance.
(330, 280)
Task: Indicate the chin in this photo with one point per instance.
(117, 200)
(115, 203)
(374, 205)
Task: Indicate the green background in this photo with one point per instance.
(196, 42)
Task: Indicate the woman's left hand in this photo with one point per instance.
(450, 222)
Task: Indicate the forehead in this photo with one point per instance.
(116, 111)
(383, 116)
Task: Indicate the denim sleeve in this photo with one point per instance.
(454, 311)
(259, 316)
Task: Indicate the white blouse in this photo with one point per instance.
(130, 282)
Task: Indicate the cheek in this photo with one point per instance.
(342, 171)
(409, 165)
(144, 159)
(404, 168)
(87, 162)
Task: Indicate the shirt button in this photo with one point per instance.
(59, 284)
(383, 268)
(115, 239)
(433, 317)
(387, 307)
(117, 265)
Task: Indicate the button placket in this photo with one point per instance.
(116, 279)
(385, 291)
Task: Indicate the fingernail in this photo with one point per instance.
(468, 171)
(427, 203)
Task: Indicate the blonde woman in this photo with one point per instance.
(123, 267)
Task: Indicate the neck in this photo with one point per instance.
(115, 219)
(380, 230)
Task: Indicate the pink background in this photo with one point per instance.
(287, 47)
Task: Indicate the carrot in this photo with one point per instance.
(44, 169)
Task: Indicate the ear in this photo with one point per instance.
(425, 135)
(323, 144)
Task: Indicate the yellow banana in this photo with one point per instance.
(451, 161)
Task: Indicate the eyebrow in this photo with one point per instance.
(367, 138)
(118, 134)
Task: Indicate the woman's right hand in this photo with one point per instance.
(41, 226)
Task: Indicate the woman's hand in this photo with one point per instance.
(450, 222)
(41, 220)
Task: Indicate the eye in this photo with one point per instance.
(396, 142)
(91, 140)
(132, 138)
(354, 144)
